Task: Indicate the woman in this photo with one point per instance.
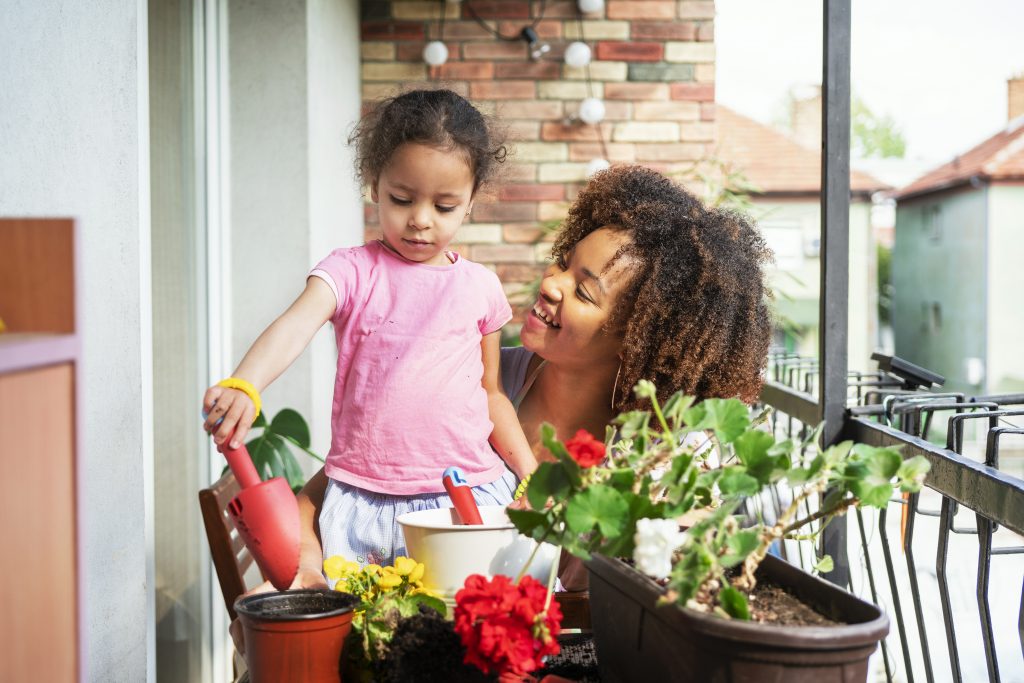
(646, 283)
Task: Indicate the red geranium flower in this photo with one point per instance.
(585, 449)
(503, 626)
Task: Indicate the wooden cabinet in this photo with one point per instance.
(39, 364)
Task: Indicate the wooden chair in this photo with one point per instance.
(230, 557)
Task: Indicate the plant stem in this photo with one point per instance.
(835, 510)
(746, 581)
(551, 584)
(533, 554)
(666, 431)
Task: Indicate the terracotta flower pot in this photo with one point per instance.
(295, 635)
(638, 640)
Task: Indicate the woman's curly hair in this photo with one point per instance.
(694, 315)
(437, 118)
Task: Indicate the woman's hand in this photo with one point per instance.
(519, 503)
(228, 412)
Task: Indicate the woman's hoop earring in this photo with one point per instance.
(615, 387)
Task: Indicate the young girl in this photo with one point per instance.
(417, 327)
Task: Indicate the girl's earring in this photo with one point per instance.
(615, 387)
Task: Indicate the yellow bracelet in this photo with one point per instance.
(521, 489)
(246, 388)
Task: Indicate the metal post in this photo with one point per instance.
(835, 241)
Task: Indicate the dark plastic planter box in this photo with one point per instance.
(638, 640)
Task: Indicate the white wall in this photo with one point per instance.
(295, 92)
(74, 138)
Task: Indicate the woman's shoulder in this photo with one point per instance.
(515, 361)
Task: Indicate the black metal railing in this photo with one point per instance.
(970, 508)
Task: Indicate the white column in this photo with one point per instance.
(74, 121)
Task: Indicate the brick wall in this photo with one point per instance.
(652, 65)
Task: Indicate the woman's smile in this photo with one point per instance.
(546, 317)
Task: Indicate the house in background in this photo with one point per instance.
(787, 178)
(958, 263)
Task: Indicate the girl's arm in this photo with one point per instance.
(507, 438)
(311, 554)
(274, 350)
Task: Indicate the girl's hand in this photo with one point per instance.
(228, 412)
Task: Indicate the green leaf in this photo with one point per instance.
(599, 506)
(274, 459)
(292, 472)
(632, 423)
(676, 405)
(308, 452)
(739, 545)
(869, 474)
(260, 421)
(734, 603)
(728, 417)
(261, 453)
(736, 482)
(550, 480)
(289, 423)
(800, 475)
(753, 450)
(434, 603)
(526, 521)
(912, 473)
(824, 565)
(836, 454)
(782, 447)
(550, 440)
(622, 479)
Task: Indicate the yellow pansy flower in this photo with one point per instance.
(334, 566)
(388, 581)
(404, 566)
(417, 573)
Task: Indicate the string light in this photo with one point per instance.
(591, 6)
(435, 53)
(591, 110)
(596, 166)
(577, 54)
(537, 48)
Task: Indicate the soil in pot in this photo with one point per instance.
(772, 604)
(295, 635)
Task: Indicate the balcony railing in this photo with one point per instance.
(916, 557)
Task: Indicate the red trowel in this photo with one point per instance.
(266, 515)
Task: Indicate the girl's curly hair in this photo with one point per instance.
(694, 314)
(438, 118)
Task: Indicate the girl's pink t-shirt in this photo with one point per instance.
(408, 397)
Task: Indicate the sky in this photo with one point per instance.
(938, 67)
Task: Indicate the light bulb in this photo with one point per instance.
(591, 110)
(589, 6)
(435, 53)
(596, 166)
(577, 54)
(537, 48)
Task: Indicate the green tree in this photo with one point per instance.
(885, 290)
(872, 135)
